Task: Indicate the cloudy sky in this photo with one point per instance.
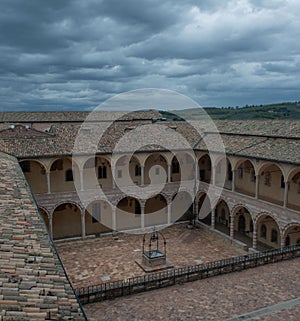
(74, 54)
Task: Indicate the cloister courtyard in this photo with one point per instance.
(109, 258)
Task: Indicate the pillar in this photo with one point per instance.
(232, 226)
(213, 175)
(233, 180)
(169, 212)
(282, 240)
(142, 175)
(286, 193)
(257, 186)
(169, 173)
(51, 225)
(81, 179)
(142, 216)
(48, 182)
(83, 223)
(213, 218)
(254, 241)
(113, 217)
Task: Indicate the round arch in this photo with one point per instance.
(128, 213)
(181, 206)
(291, 234)
(98, 217)
(67, 220)
(156, 169)
(222, 217)
(156, 210)
(35, 173)
(268, 230)
(271, 183)
(204, 166)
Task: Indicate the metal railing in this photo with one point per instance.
(111, 290)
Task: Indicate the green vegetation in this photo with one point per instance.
(289, 110)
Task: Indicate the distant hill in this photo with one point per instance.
(289, 110)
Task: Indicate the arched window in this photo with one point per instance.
(242, 223)
(102, 173)
(252, 176)
(138, 171)
(240, 172)
(287, 241)
(263, 231)
(175, 166)
(69, 175)
(274, 236)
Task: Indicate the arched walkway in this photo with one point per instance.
(98, 218)
(204, 209)
(243, 225)
(156, 168)
(292, 235)
(62, 175)
(268, 232)
(204, 165)
(245, 179)
(293, 201)
(182, 207)
(156, 211)
(35, 174)
(271, 184)
(224, 174)
(222, 217)
(128, 214)
(135, 171)
(97, 171)
(67, 221)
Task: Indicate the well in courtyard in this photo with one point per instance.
(96, 260)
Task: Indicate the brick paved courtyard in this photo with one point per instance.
(93, 261)
(218, 298)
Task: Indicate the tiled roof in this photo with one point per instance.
(33, 284)
(272, 140)
(75, 116)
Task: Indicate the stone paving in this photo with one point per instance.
(93, 261)
(218, 298)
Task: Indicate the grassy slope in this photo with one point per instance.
(274, 111)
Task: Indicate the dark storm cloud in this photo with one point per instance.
(75, 54)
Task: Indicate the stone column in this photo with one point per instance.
(83, 223)
(257, 186)
(169, 213)
(113, 179)
(51, 225)
(143, 216)
(81, 179)
(233, 181)
(213, 174)
(286, 193)
(254, 241)
(169, 174)
(142, 175)
(282, 240)
(213, 218)
(113, 217)
(232, 226)
(196, 171)
(48, 182)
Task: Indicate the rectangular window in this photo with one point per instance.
(157, 171)
(96, 213)
(102, 172)
(119, 173)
